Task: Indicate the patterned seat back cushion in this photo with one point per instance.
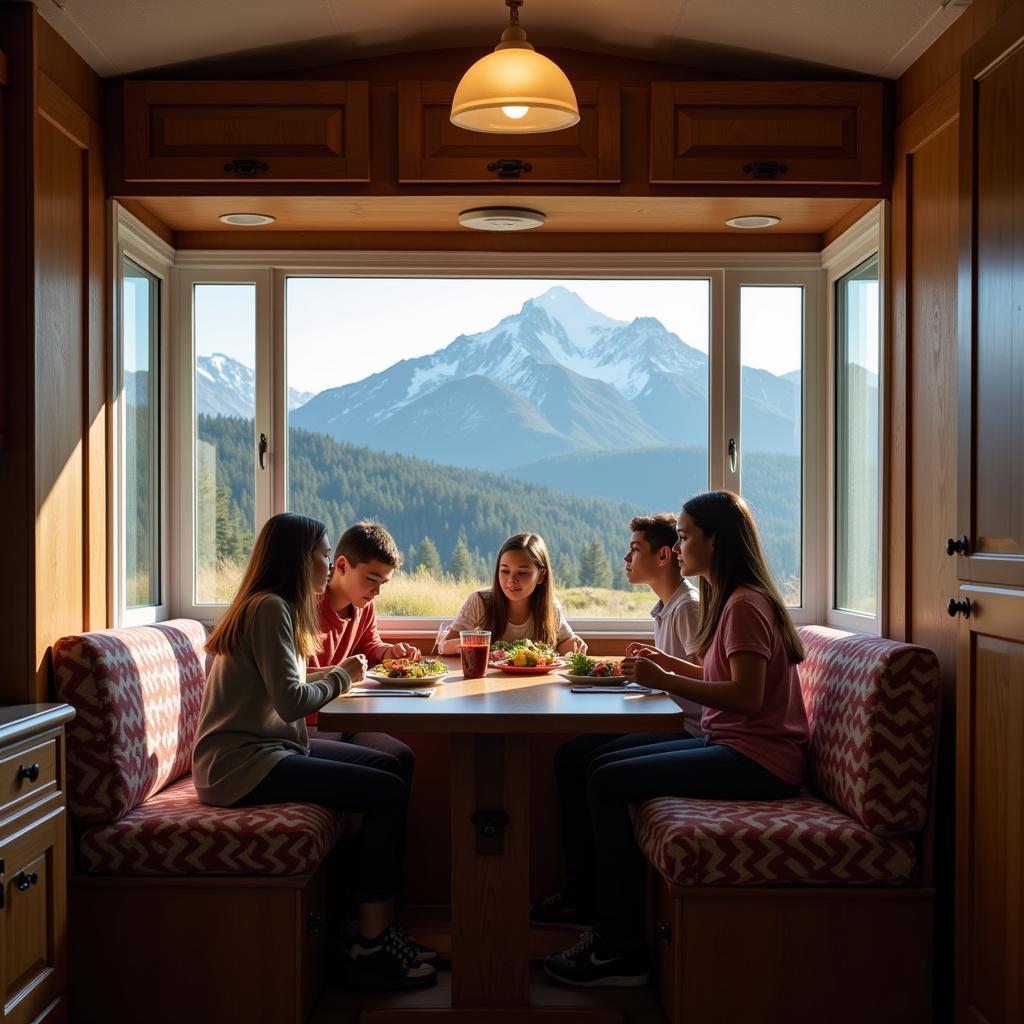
(872, 706)
(137, 693)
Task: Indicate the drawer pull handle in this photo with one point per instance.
(246, 168)
(765, 170)
(28, 771)
(23, 880)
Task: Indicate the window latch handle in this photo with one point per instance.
(263, 450)
(733, 449)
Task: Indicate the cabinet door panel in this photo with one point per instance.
(990, 808)
(33, 918)
(291, 131)
(722, 131)
(991, 307)
(431, 148)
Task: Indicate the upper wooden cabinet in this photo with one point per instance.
(787, 132)
(246, 131)
(431, 148)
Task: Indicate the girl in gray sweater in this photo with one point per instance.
(251, 745)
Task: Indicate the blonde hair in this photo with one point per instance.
(737, 559)
(542, 600)
(281, 563)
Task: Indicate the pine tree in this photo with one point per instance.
(567, 570)
(428, 561)
(594, 568)
(461, 564)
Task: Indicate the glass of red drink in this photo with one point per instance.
(475, 648)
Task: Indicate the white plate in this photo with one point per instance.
(592, 680)
(404, 682)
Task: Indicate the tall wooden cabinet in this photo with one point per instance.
(990, 543)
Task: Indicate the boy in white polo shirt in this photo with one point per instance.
(650, 560)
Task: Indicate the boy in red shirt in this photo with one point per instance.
(364, 561)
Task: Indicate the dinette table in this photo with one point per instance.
(490, 722)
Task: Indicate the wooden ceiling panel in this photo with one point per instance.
(565, 214)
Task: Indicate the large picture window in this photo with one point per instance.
(462, 400)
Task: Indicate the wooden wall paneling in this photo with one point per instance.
(923, 473)
(70, 377)
(17, 664)
(4, 99)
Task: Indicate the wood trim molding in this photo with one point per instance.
(3, 68)
(63, 112)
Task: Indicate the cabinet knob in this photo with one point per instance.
(955, 607)
(25, 879)
(958, 545)
(663, 930)
(28, 771)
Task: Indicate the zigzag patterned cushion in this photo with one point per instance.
(872, 706)
(803, 841)
(172, 833)
(137, 692)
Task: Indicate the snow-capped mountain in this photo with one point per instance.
(558, 376)
(226, 387)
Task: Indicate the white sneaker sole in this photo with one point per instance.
(612, 981)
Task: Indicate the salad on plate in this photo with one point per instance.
(584, 669)
(412, 672)
(524, 656)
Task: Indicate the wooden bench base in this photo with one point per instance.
(802, 956)
(205, 950)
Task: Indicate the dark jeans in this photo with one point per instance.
(404, 758)
(629, 774)
(354, 778)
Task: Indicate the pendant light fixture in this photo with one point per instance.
(515, 90)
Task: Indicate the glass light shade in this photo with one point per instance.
(514, 77)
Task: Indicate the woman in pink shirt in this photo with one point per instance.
(754, 725)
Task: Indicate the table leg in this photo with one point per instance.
(491, 888)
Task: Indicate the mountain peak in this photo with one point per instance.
(578, 319)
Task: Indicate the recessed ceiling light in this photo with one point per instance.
(760, 221)
(501, 218)
(246, 220)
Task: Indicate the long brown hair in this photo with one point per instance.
(737, 559)
(281, 563)
(542, 600)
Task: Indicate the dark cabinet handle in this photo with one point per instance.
(23, 880)
(957, 546)
(28, 771)
(509, 168)
(663, 930)
(765, 170)
(246, 168)
(314, 922)
(954, 607)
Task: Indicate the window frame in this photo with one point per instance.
(811, 577)
(132, 240)
(183, 383)
(270, 270)
(862, 240)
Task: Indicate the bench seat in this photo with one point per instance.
(803, 841)
(172, 833)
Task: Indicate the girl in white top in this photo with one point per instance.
(520, 603)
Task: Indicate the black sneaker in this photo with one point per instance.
(387, 961)
(422, 954)
(560, 912)
(592, 962)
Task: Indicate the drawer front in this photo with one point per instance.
(758, 132)
(33, 919)
(28, 773)
(431, 148)
(246, 132)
